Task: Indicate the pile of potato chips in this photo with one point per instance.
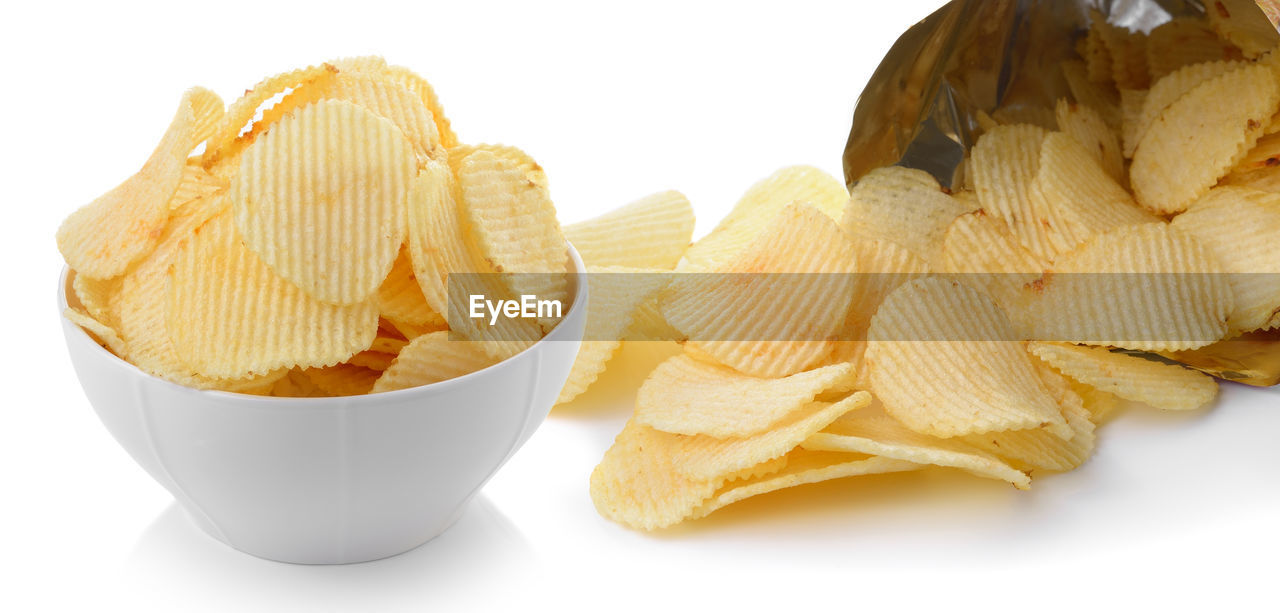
(298, 241)
(1165, 165)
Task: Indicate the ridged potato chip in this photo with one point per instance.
(1087, 127)
(375, 360)
(409, 80)
(1199, 137)
(208, 111)
(1127, 51)
(1165, 92)
(1244, 24)
(95, 296)
(802, 468)
(686, 396)
(321, 199)
(755, 317)
(343, 379)
(1037, 449)
(652, 232)
(1241, 228)
(1101, 97)
(883, 436)
(1004, 163)
(230, 137)
(943, 360)
(507, 205)
(432, 358)
(103, 238)
(902, 205)
(196, 183)
(400, 298)
(990, 258)
(439, 244)
(758, 207)
(1116, 289)
(101, 333)
(229, 315)
(615, 295)
(1159, 384)
(1183, 41)
(1131, 103)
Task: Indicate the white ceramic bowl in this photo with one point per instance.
(329, 480)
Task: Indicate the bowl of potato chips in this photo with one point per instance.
(272, 316)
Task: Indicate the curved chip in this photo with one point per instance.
(227, 140)
(1087, 127)
(321, 199)
(1165, 92)
(400, 298)
(1159, 384)
(990, 258)
(1199, 137)
(1244, 24)
(101, 333)
(229, 315)
(432, 358)
(101, 239)
(1004, 164)
(757, 208)
(1100, 96)
(686, 396)
(1037, 449)
(652, 232)
(1118, 289)
(343, 379)
(903, 205)
(944, 360)
(1183, 41)
(409, 80)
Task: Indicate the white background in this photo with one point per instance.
(615, 102)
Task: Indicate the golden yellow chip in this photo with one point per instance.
(321, 199)
(756, 210)
(1127, 51)
(1087, 127)
(652, 232)
(1183, 41)
(686, 396)
(95, 296)
(102, 238)
(400, 298)
(375, 360)
(1159, 384)
(708, 457)
(409, 80)
(208, 111)
(227, 140)
(1099, 404)
(943, 360)
(196, 183)
(758, 317)
(439, 244)
(1039, 449)
(902, 205)
(1244, 24)
(982, 248)
(615, 295)
(1241, 228)
(1116, 289)
(507, 205)
(1165, 92)
(228, 315)
(1004, 163)
(883, 436)
(1132, 102)
(802, 467)
(1100, 96)
(296, 384)
(101, 333)
(1199, 137)
(388, 343)
(432, 358)
(343, 379)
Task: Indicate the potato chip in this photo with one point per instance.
(95, 295)
(756, 210)
(903, 205)
(615, 294)
(755, 317)
(1199, 137)
(409, 80)
(1005, 162)
(400, 298)
(321, 199)
(375, 360)
(803, 467)
(1087, 127)
(343, 379)
(507, 205)
(1131, 129)
(940, 358)
(101, 239)
(196, 183)
(1159, 384)
(883, 436)
(1183, 41)
(1098, 96)
(1244, 24)
(1241, 227)
(1116, 289)
(207, 110)
(652, 232)
(227, 140)
(432, 358)
(296, 384)
(1037, 449)
(1165, 92)
(1128, 53)
(878, 267)
(686, 396)
(708, 457)
(982, 248)
(101, 333)
(1073, 197)
(1031, 114)
(229, 315)
(439, 245)
(1099, 404)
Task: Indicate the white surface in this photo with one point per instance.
(329, 480)
(616, 102)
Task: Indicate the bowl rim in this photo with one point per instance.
(580, 295)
